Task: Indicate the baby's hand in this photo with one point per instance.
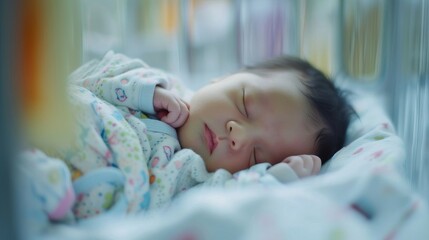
(170, 108)
(295, 167)
(304, 165)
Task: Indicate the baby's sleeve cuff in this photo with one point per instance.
(145, 101)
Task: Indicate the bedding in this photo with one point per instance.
(348, 204)
(359, 194)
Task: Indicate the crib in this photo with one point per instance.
(376, 187)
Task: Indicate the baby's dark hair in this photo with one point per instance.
(328, 101)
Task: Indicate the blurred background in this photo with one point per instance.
(200, 39)
(380, 46)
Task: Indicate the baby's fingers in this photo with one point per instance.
(317, 164)
(304, 165)
(312, 164)
(297, 164)
(173, 113)
(182, 116)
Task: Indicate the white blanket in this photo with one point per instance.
(359, 202)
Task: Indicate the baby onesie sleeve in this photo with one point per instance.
(122, 81)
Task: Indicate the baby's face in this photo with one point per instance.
(244, 119)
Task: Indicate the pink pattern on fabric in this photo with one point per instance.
(107, 155)
(381, 170)
(80, 197)
(168, 152)
(178, 165)
(358, 151)
(187, 236)
(385, 125)
(113, 139)
(64, 205)
(155, 162)
(377, 154)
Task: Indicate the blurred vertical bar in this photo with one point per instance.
(265, 29)
(183, 41)
(318, 27)
(363, 31)
(9, 21)
(408, 85)
(51, 50)
(292, 41)
(412, 73)
(148, 29)
(207, 41)
(103, 27)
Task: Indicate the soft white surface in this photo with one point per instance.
(317, 208)
(370, 137)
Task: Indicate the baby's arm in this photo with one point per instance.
(296, 167)
(128, 82)
(121, 81)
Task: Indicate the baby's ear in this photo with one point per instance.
(304, 165)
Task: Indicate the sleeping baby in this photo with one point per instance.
(138, 144)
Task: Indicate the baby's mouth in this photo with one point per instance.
(210, 138)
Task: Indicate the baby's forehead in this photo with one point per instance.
(289, 77)
(287, 87)
(276, 73)
(289, 81)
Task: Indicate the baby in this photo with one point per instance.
(279, 111)
(282, 119)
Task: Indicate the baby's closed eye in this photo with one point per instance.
(246, 114)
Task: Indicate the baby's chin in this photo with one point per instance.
(189, 139)
(184, 134)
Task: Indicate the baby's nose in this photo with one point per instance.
(238, 137)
